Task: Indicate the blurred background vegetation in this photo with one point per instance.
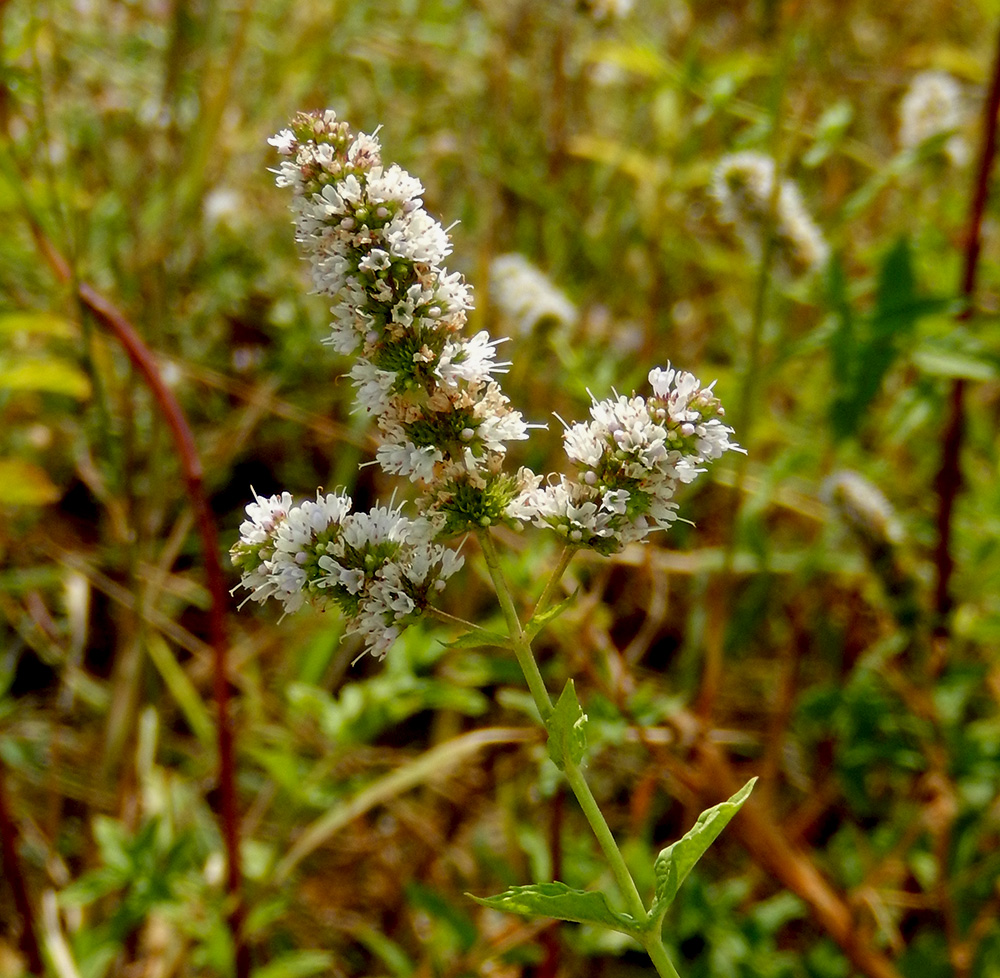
(792, 631)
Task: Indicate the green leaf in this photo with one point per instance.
(93, 886)
(113, 842)
(182, 689)
(567, 728)
(479, 638)
(830, 131)
(675, 862)
(24, 484)
(54, 376)
(537, 622)
(862, 352)
(559, 901)
(296, 964)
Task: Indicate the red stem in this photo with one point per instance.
(144, 361)
(949, 478)
(12, 873)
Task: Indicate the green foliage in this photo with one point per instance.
(559, 901)
(671, 867)
(678, 859)
(862, 349)
(567, 728)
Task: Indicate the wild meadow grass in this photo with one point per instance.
(791, 199)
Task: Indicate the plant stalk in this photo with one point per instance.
(948, 482)
(545, 599)
(522, 648)
(653, 944)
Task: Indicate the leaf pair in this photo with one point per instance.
(671, 868)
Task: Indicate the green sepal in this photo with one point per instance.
(563, 903)
(677, 860)
(567, 728)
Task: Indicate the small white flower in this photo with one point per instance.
(284, 142)
(374, 386)
(265, 514)
(406, 459)
(393, 185)
(416, 236)
(375, 261)
(469, 360)
(365, 151)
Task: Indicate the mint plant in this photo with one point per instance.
(444, 424)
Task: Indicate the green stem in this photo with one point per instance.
(605, 839)
(522, 648)
(574, 777)
(658, 955)
(553, 582)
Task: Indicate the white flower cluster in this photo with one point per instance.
(743, 186)
(380, 568)
(525, 297)
(631, 457)
(443, 420)
(931, 106)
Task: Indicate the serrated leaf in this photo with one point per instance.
(479, 638)
(53, 376)
(567, 728)
(537, 622)
(24, 484)
(675, 862)
(559, 901)
(44, 323)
